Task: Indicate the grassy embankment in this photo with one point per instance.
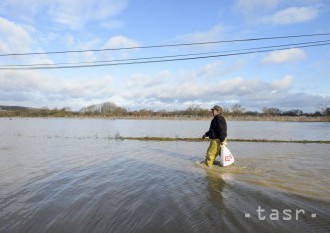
(229, 140)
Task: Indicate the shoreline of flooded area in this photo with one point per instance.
(303, 119)
(52, 181)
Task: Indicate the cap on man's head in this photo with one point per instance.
(217, 107)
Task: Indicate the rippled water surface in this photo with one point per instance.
(64, 175)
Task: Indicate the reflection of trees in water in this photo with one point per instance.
(215, 187)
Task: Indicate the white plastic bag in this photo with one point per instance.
(226, 158)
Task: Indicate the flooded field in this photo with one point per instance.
(65, 175)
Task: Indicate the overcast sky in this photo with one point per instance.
(296, 78)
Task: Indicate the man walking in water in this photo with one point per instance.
(217, 133)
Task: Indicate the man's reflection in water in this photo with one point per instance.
(215, 187)
(215, 214)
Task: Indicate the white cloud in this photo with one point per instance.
(155, 90)
(29, 85)
(120, 42)
(251, 93)
(21, 9)
(251, 6)
(212, 69)
(283, 83)
(214, 34)
(220, 68)
(14, 37)
(292, 15)
(89, 56)
(282, 56)
(75, 13)
(145, 81)
(71, 13)
(186, 90)
(278, 12)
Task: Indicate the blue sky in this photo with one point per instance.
(289, 79)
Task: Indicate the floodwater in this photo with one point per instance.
(65, 175)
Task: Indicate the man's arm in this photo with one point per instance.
(207, 134)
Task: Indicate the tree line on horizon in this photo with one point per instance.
(109, 109)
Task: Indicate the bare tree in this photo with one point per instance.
(271, 111)
(237, 109)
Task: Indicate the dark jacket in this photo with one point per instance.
(218, 128)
